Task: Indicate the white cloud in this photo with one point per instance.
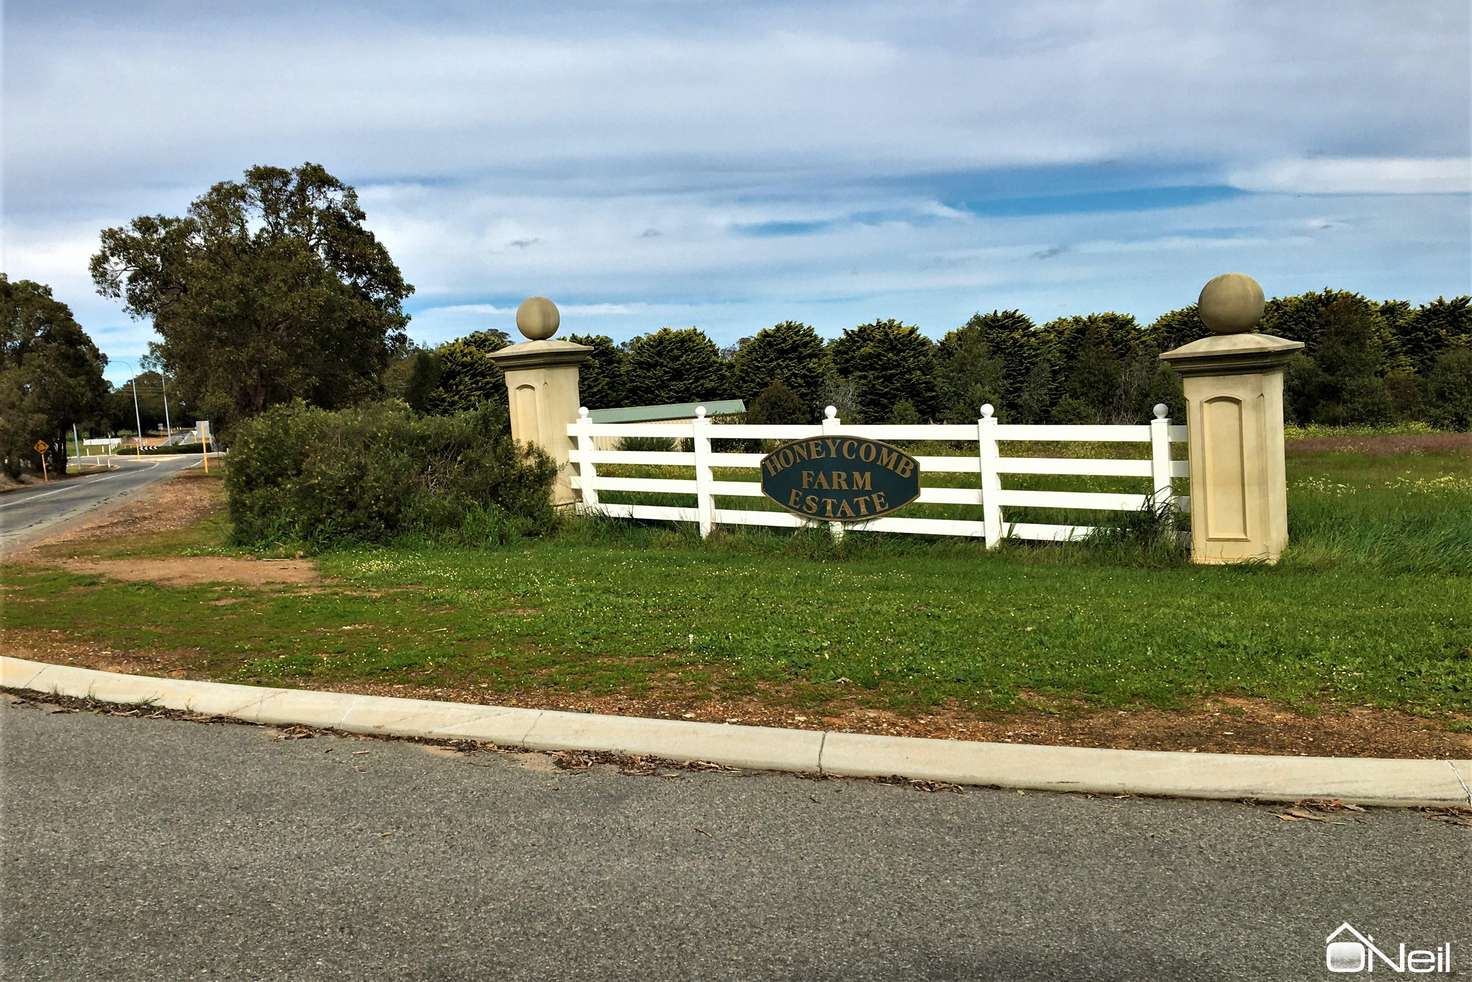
(624, 158)
(1359, 175)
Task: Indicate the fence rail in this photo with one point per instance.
(987, 463)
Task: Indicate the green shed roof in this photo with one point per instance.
(674, 410)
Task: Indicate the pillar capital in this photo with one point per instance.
(1231, 354)
(541, 354)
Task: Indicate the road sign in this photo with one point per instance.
(840, 478)
(41, 447)
(203, 426)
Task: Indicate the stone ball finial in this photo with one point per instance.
(537, 318)
(1231, 303)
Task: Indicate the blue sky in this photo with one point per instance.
(732, 165)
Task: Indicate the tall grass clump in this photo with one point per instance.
(1152, 537)
(380, 472)
(1411, 524)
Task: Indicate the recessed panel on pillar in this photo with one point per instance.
(526, 410)
(1226, 470)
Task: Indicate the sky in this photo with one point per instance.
(730, 165)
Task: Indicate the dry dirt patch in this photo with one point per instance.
(176, 503)
(1220, 725)
(196, 570)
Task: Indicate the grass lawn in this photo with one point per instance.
(1371, 607)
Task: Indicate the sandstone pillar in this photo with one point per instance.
(1234, 419)
(542, 387)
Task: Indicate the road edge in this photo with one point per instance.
(1364, 781)
(22, 544)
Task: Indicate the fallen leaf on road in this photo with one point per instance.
(1301, 815)
(1460, 817)
(1329, 805)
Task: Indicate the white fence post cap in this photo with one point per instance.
(987, 410)
(1160, 410)
(700, 412)
(582, 412)
(831, 412)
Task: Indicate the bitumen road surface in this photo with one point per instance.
(143, 848)
(28, 513)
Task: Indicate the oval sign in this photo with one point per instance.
(840, 478)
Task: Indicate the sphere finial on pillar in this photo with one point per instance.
(1231, 303)
(537, 318)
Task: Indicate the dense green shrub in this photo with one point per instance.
(777, 404)
(378, 472)
(652, 444)
(1449, 387)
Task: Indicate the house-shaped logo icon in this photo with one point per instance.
(1347, 950)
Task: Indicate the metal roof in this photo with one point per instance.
(674, 410)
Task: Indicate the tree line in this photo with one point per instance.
(1365, 362)
(271, 289)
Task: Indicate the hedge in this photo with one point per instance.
(379, 472)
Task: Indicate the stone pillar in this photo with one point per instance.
(542, 387)
(1234, 419)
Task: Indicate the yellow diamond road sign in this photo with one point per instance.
(42, 446)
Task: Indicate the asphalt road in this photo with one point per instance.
(140, 848)
(27, 513)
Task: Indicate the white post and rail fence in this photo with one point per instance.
(1233, 436)
(988, 495)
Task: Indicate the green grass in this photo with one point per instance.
(1372, 605)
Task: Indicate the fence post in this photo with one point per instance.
(705, 501)
(1162, 495)
(587, 473)
(991, 481)
(831, 424)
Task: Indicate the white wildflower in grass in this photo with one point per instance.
(1322, 485)
(1437, 485)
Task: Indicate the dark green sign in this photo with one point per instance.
(840, 478)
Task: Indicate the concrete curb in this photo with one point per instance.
(1356, 780)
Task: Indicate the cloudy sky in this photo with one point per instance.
(731, 165)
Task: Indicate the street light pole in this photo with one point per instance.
(168, 427)
(137, 416)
